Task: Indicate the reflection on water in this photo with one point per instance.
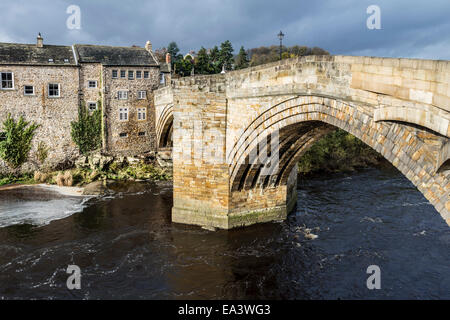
(127, 247)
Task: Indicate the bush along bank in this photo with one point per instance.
(96, 167)
(336, 152)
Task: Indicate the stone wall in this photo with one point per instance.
(133, 143)
(53, 114)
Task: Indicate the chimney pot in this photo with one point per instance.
(148, 46)
(40, 41)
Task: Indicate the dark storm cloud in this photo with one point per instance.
(409, 28)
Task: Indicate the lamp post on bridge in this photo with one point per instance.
(280, 36)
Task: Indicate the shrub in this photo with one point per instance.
(86, 132)
(16, 142)
(42, 152)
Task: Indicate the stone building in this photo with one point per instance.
(48, 83)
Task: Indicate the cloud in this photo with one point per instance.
(410, 28)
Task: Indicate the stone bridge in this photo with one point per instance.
(237, 137)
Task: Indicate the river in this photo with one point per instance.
(127, 247)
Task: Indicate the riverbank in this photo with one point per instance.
(339, 152)
(88, 172)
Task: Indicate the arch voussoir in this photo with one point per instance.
(399, 144)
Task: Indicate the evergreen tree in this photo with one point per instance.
(203, 64)
(214, 59)
(175, 56)
(226, 55)
(241, 59)
(173, 49)
(184, 67)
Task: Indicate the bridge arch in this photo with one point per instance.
(302, 120)
(164, 127)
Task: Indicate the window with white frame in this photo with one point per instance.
(92, 106)
(7, 80)
(122, 94)
(114, 74)
(28, 90)
(142, 94)
(138, 74)
(123, 114)
(92, 84)
(162, 78)
(146, 74)
(123, 73)
(141, 113)
(130, 74)
(53, 90)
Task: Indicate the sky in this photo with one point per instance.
(409, 28)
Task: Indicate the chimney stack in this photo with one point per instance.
(40, 41)
(148, 46)
(168, 61)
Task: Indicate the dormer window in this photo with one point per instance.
(50, 60)
(66, 60)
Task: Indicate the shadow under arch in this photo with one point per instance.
(303, 120)
(165, 127)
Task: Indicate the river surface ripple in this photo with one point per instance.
(127, 247)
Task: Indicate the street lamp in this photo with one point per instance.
(280, 36)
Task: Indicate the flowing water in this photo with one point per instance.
(127, 247)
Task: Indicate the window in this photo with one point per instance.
(123, 114)
(141, 134)
(138, 74)
(122, 95)
(28, 90)
(114, 74)
(92, 106)
(123, 73)
(146, 74)
(7, 80)
(123, 134)
(141, 113)
(66, 60)
(130, 75)
(162, 78)
(50, 60)
(92, 84)
(53, 90)
(142, 94)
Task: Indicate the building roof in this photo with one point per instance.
(164, 67)
(115, 56)
(30, 54)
